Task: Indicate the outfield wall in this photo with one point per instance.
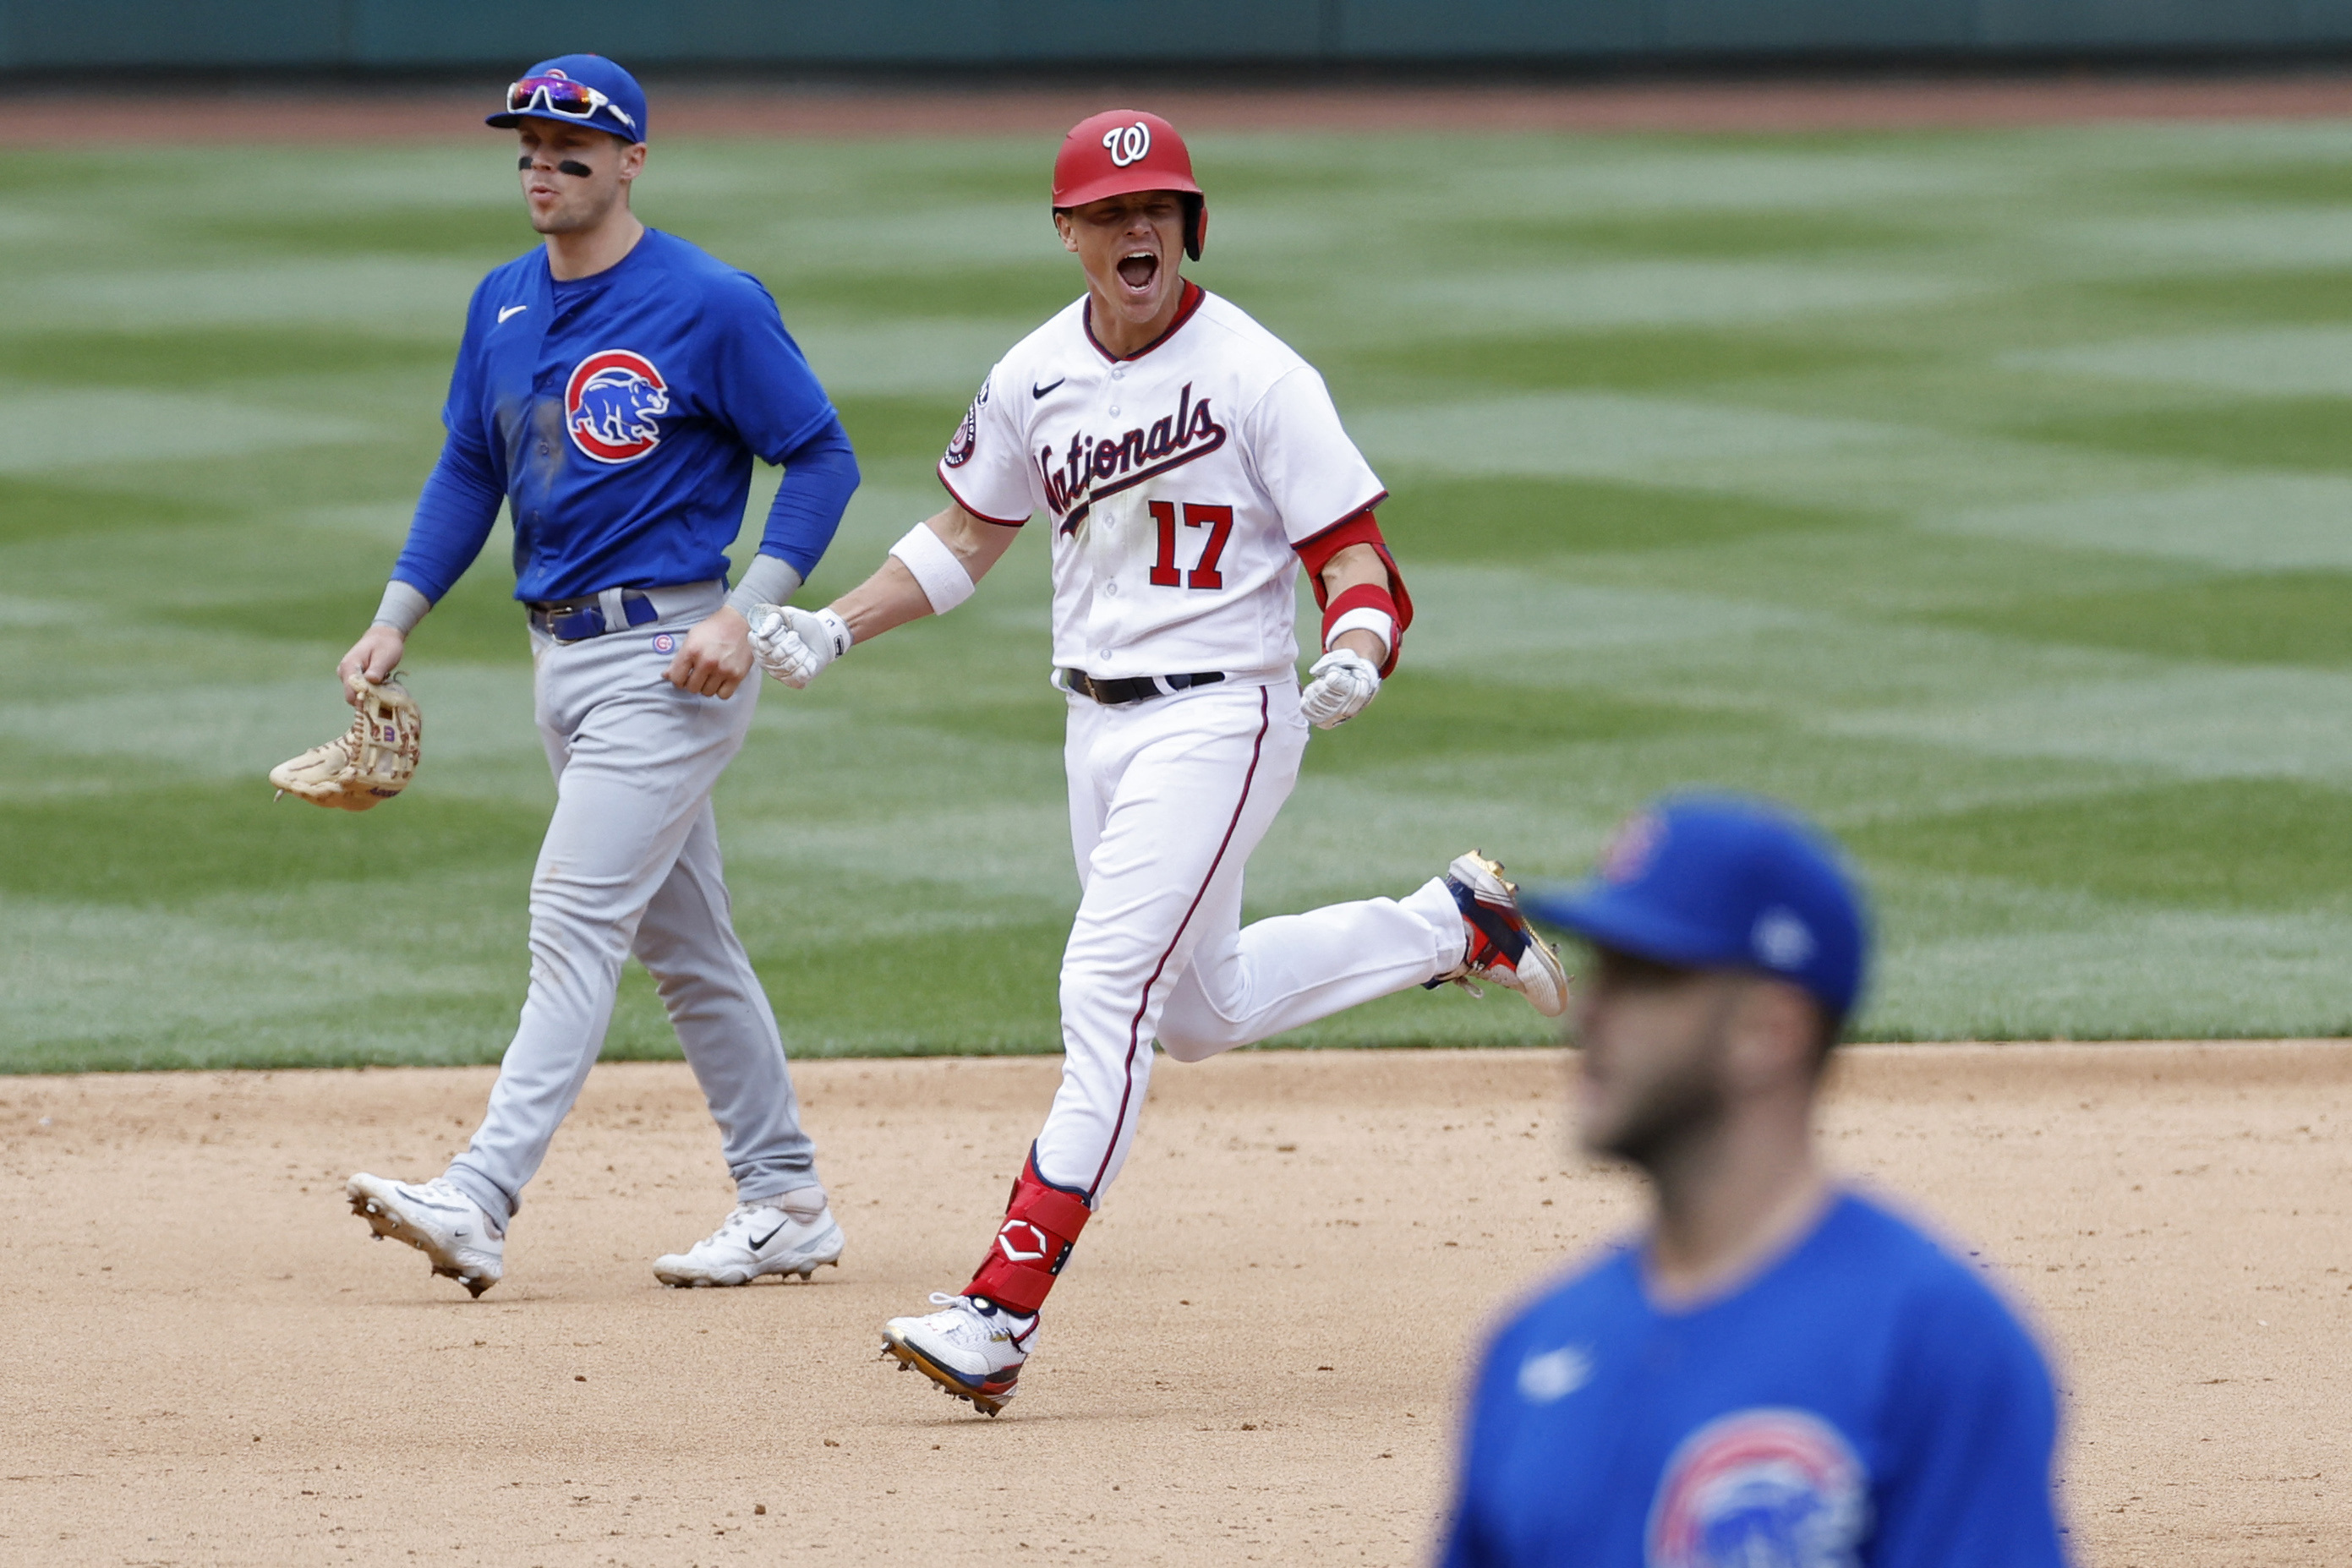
(94, 35)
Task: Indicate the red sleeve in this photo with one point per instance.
(1316, 551)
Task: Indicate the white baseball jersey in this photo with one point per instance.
(1177, 480)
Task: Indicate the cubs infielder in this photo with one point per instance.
(1778, 1372)
(1189, 463)
(612, 388)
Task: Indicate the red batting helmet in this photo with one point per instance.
(1122, 150)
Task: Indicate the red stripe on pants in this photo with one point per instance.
(1143, 1002)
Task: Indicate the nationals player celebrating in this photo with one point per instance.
(612, 388)
(1189, 464)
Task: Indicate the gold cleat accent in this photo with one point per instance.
(912, 1360)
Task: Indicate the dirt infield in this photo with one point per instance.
(372, 113)
(1256, 1357)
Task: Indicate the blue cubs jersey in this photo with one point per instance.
(618, 416)
(1865, 1403)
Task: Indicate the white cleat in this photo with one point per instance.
(436, 1219)
(972, 1349)
(757, 1239)
(1501, 947)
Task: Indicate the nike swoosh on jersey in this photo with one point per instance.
(1555, 1375)
(510, 311)
(1036, 390)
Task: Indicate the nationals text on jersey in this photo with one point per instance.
(1141, 453)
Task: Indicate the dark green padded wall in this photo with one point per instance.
(408, 34)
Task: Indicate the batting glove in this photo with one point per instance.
(1341, 682)
(795, 645)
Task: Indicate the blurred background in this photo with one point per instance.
(1933, 414)
(1407, 34)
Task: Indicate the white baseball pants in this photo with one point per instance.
(1167, 798)
(631, 864)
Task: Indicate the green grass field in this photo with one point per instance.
(1987, 495)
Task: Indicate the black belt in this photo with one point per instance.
(576, 620)
(1135, 689)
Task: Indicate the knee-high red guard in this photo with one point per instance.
(1041, 1224)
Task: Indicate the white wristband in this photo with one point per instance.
(1364, 618)
(937, 573)
(836, 631)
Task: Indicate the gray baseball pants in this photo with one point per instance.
(630, 864)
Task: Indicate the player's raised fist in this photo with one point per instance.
(1339, 683)
(793, 646)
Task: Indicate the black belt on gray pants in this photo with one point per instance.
(1135, 689)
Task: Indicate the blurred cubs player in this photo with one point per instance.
(1779, 1373)
(1189, 466)
(612, 388)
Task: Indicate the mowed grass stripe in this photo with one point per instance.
(2235, 844)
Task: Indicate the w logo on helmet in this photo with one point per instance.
(612, 406)
(1128, 143)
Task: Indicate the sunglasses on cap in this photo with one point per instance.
(560, 94)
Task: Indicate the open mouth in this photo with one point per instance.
(1137, 268)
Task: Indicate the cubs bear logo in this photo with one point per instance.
(613, 406)
(1760, 1488)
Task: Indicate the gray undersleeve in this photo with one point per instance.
(767, 581)
(403, 606)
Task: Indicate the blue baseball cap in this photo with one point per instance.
(1723, 881)
(577, 89)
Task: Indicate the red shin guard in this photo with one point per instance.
(1041, 1223)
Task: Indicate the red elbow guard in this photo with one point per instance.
(1041, 1224)
(1316, 553)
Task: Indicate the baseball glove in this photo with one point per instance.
(373, 760)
